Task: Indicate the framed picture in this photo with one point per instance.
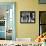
(27, 16)
(42, 1)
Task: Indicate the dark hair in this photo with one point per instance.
(44, 40)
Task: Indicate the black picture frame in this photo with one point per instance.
(27, 16)
(42, 1)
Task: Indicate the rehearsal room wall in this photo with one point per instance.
(27, 30)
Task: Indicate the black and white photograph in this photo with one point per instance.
(27, 16)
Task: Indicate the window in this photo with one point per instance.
(7, 21)
(42, 22)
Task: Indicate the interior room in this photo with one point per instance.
(22, 20)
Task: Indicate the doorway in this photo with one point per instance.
(7, 21)
(42, 22)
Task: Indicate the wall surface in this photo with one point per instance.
(27, 30)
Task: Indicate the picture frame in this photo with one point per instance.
(42, 1)
(27, 16)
